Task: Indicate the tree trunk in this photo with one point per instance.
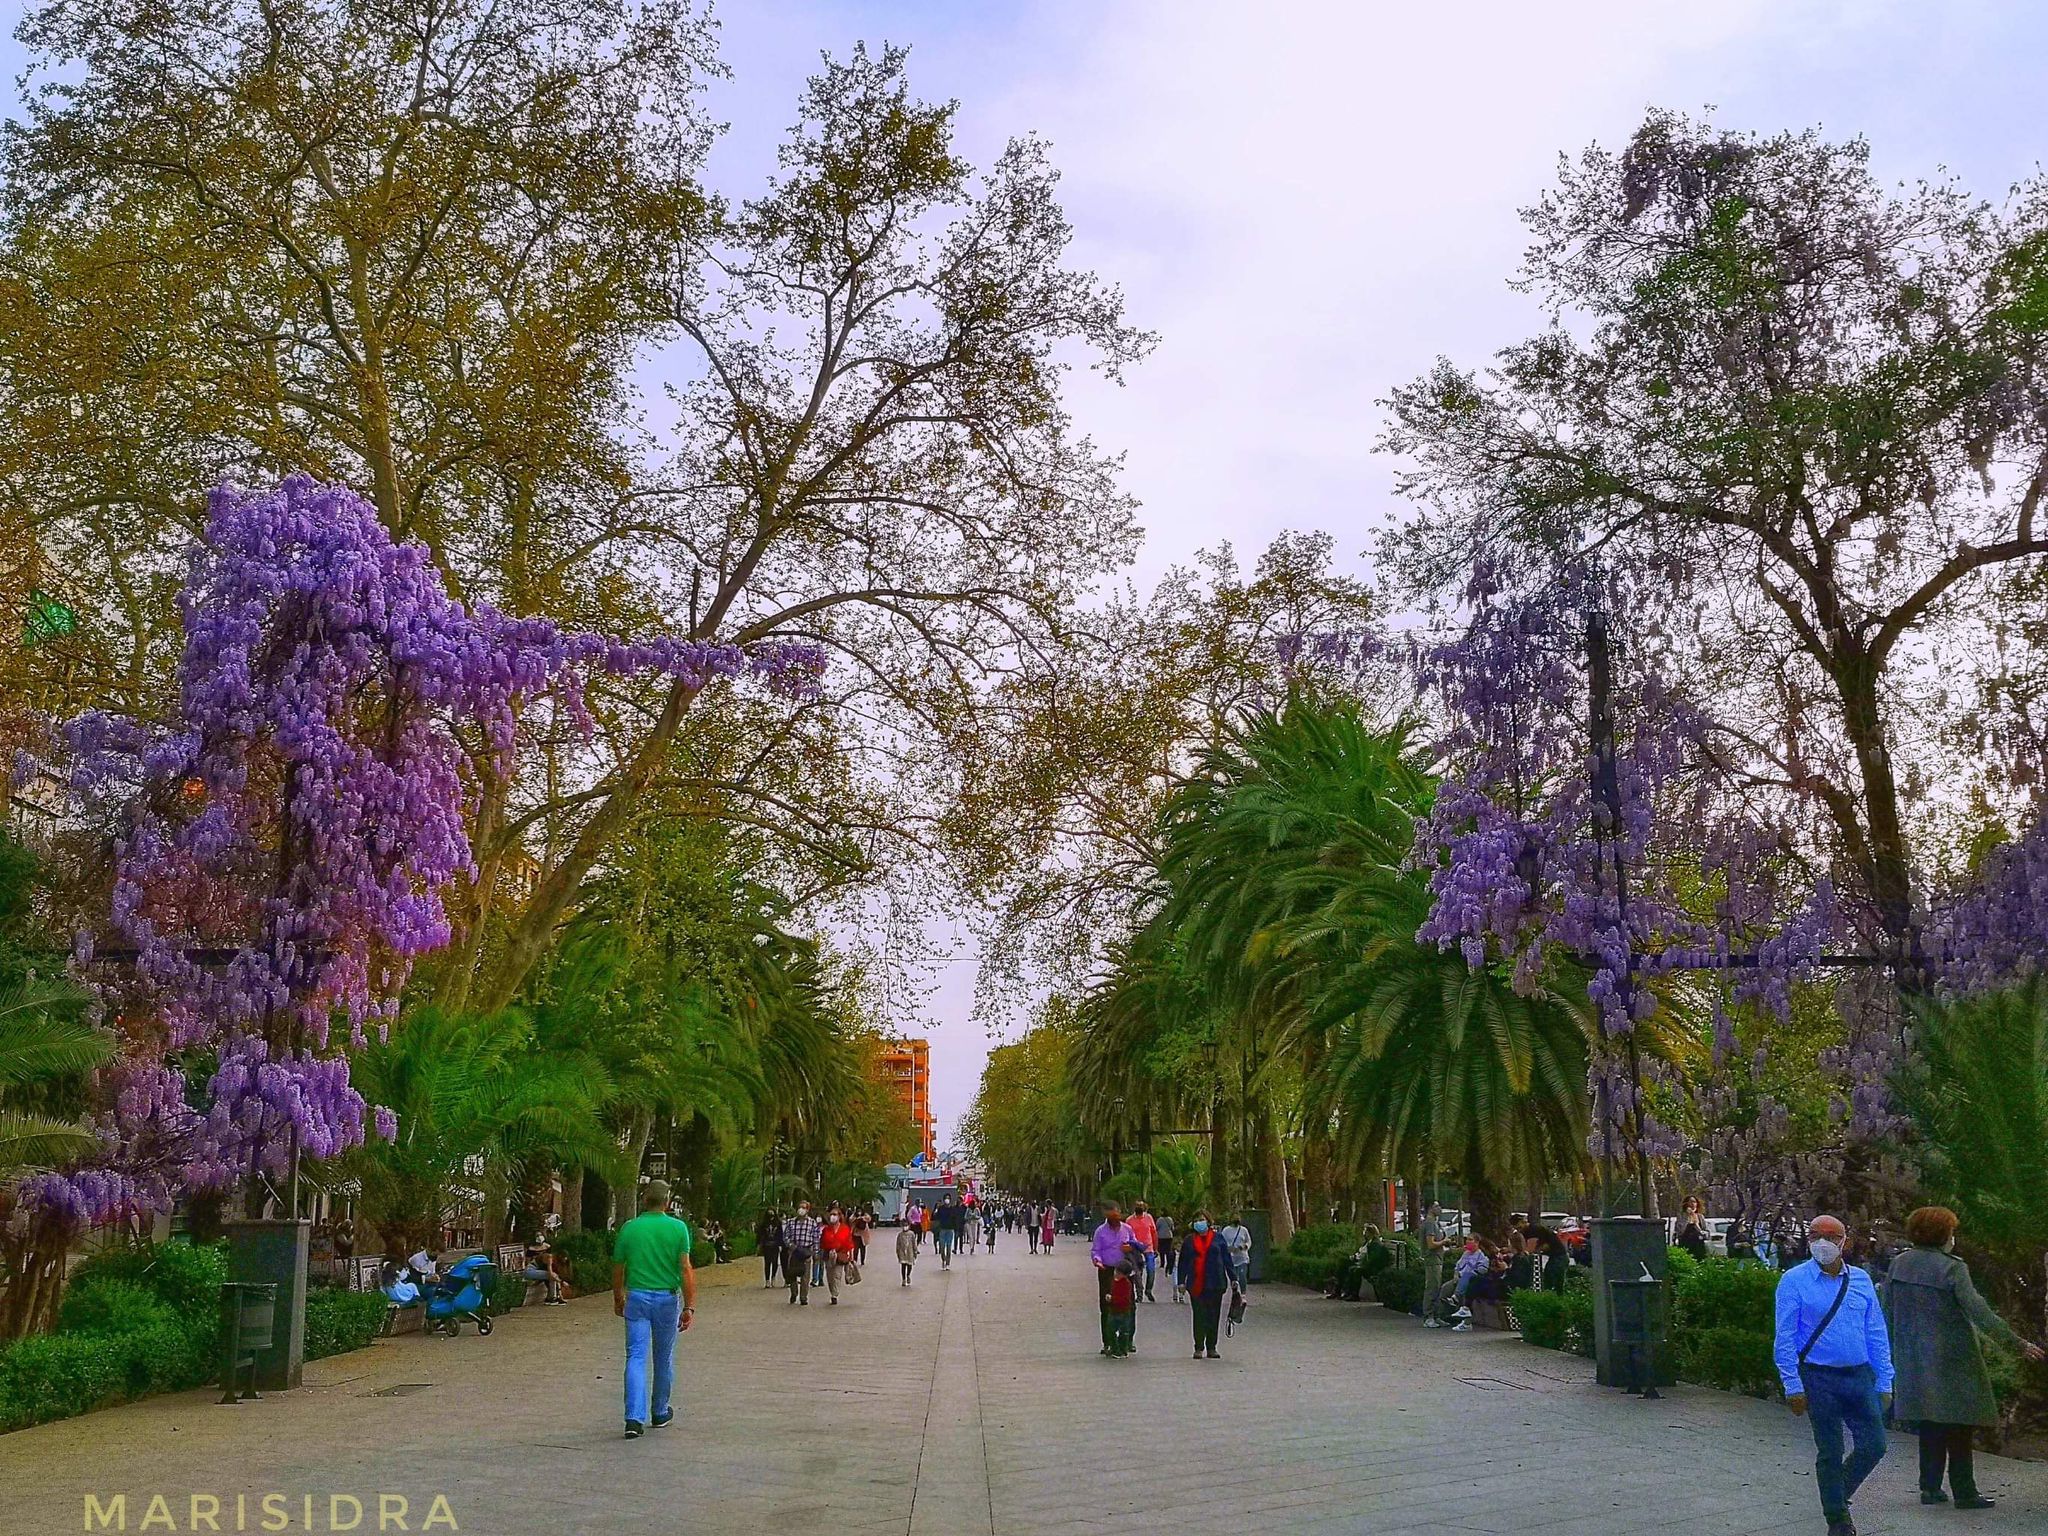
(1273, 1172)
(1488, 1205)
(626, 1197)
(1219, 1160)
(572, 1200)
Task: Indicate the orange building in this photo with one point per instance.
(908, 1063)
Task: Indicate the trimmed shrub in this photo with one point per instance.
(58, 1376)
(1400, 1287)
(1735, 1359)
(1561, 1320)
(339, 1321)
(187, 1276)
(507, 1291)
(585, 1259)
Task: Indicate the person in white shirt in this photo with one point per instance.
(1237, 1237)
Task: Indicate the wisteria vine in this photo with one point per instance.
(282, 847)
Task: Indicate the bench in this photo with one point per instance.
(1497, 1315)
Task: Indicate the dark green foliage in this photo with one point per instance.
(507, 1292)
(339, 1321)
(585, 1259)
(1738, 1359)
(58, 1375)
(1722, 1319)
(1311, 1257)
(1556, 1319)
(1720, 1293)
(112, 1306)
(1400, 1288)
(702, 1255)
(186, 1276)
(135, 1321)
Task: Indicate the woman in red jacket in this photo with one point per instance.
(835, 1242)
(1207, 1274)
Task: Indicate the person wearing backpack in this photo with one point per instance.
(1835, 1360)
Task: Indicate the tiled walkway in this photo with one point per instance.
(975, 1403)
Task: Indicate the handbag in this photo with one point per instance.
(852, 1273)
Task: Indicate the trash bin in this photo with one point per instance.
(248, 1324)
(1635, 1320)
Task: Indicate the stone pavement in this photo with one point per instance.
(970, 1405)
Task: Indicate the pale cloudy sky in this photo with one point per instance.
(1310, 201)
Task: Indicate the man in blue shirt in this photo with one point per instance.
(1835, 1360)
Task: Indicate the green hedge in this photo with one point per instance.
(133, 1322)
(507, 1291)
(1721, 1320)
(1400, 1287)
(584, 1259)
(1556, 1319)
(339, 1321)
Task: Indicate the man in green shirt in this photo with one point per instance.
(650, 1264)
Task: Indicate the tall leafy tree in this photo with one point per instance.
(1802, 413)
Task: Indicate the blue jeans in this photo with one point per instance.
(945, 1242)
(1839, 1396)
(651, 1321)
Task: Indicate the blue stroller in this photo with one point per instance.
(462, 1292)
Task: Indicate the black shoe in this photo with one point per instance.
(634, 1430)
(1975, 1501)
(1842, 1526)
(1198, 1354)
(663, 1420)
(1214, 1356)
(805, 1302)
(1933, 1496)
(835, 1301)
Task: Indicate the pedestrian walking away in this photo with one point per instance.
(768, 1240)
(654, 1290)
(1168, 1254)
(1943, 1389)
(1207, 1272)
(906, 1250)
(799, 1243)
(1834, 1359)
(1106, 1252)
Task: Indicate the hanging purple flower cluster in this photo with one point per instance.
(1523, 865)
(281, 849)
(1997, 930)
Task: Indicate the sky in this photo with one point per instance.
(1311, 200)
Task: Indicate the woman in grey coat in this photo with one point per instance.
(1942, 1387)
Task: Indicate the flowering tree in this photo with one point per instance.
(283, 844)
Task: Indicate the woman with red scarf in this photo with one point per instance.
(1205, 1271)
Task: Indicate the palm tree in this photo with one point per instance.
(44, 1039)
(1978, 1092)
(475, 1099)
(1290, 892)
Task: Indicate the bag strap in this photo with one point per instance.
(1814, 1337)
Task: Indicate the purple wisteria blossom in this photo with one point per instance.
(283, 845)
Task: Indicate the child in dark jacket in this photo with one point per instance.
(1123, 1303)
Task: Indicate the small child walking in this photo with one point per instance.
(1123, 1304)
(906, 1248)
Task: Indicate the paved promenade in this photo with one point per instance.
(975, 1404)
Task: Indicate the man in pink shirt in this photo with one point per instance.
(1106, 1251)
(1146, 1231)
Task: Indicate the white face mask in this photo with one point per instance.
(1825, 1250)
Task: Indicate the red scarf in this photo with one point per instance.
(1201, 1241)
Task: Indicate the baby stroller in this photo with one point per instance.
(462, 1292)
